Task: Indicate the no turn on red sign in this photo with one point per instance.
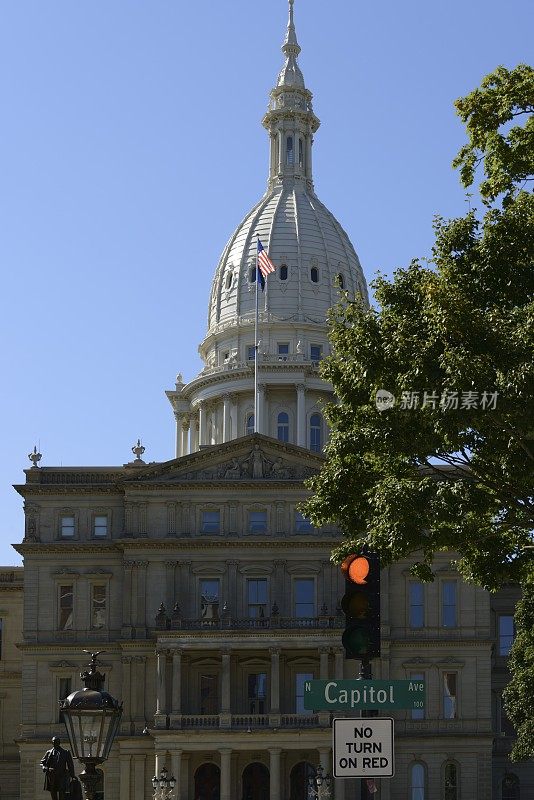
(363, 748)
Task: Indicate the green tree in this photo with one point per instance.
(449, 466)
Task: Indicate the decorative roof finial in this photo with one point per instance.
(138, 450)
(291, 35)
(291, 76)
(35, 457)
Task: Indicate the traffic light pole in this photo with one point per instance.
(365, 674)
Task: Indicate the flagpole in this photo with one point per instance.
(256, 349)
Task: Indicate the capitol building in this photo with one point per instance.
(213, 599)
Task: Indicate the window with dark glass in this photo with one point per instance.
(448, 604)
(417, 713)
(450, 778)
(257, 521)
(249, 427)
(283, 427)
(301, 678)
(304, 597)
(450, 700)
(209, 694)
(417, 604)
(67, 527)
(251, 352)
(302, 524)
(290, 155)
(314, 275)
(506, 634)
(100, 529)
(211, 522)
(257, 597)
(301, 153)
(316, 352)
(283, 272)
(98, 606)
(257, 692)
(283, 351)
(316, 437)
(252, 275)
(66, 607)
(229, 277)
(340, 281)
(65, 688)
(209, 599)
(417, 782)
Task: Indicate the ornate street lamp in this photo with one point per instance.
(319, 785)
(163, 786)
(92, 718)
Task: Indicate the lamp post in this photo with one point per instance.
(163, 786)
(319, 785)
(92, 718)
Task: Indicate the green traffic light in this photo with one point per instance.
(356, 641)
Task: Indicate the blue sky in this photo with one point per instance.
(131, 147)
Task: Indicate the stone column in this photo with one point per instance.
(185, 435)
(301, 415)
(178, 417)
(159, 762)
(126, 662)
(161, 693)
(124, 771)
(139, 777)
(226, 418)
(126, 630)
(260, 427)
(202, 424)
(226, 756)
(274, 715)
(140, 623)
(225, 718)
(176, 771)
(231, 589)
(339, 665)
(194, 432)
(169, 584)
(274, 769)
(233, 416)
(325, 759)
(176, 696)
(323, 668)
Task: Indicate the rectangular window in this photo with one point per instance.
(209, 694)
(100, 526)
(65, 688)
(417, 604)
(67, 527)
(98, 607)
(506, 634)
(448, 604)
(209, 600)
(304, 597)
(66, 607)
(300, 680)
(417, 713)
(211, 522)
(283, 351)
(251, 352)
(257, 597)
(450, 704)
(257, 692)
(316, 352)
(257, 521)
(302, 525)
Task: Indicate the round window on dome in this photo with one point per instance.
(314, 275)
(283, 272)
(229, 278)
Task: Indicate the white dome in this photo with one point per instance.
(300, 233)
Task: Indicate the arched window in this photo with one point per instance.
(417, 782)
(229, 276)
(316, 433)
(298, 780)
(340, 281)
(510, 787)
(249, 425)
(252, 275)
(450, 779)
(290, 155)
(283, 272)
(314, 275)
(208, 782)
(301, 153)
(283, 427)
(256, 780)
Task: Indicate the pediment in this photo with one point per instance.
(250, 458)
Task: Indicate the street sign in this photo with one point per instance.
(347, 695)
(363, 748)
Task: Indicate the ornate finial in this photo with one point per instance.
(138, 450)
(291, 35)
(35, 457)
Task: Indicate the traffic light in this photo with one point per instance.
(361, 606)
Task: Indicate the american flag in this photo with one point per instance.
(265, 265)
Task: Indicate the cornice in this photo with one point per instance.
(30, 548)
(222, 544)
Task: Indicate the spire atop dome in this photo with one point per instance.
(291, 36)
(290, 74)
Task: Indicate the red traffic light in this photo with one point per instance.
(356, 569)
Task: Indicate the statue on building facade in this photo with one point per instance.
(58, 768)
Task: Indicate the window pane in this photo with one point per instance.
(450, 710)
(65, 688)
(451, 782)
(314, 275)
(304, 597)
(257, 521)
(300, 680)
(98, 607)
(66, 603)
(283, 427)
(316, 352)
(283, 272)
(257, 692)
(506, 634)
(316, 443)
(283, 349)
(251, 352)
(417, 788)
(290, 156)
(209, 600)
(448, 609)
(101, 526)
(67, 527)
(302, 525)
(250, 424)
(417, 608)
(211, 522)
(417, 713)
(209, 694)
(257, 597)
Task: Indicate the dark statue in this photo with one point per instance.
(58, 769)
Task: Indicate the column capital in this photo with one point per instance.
(274, 750)
(274, 651)
(300, 387)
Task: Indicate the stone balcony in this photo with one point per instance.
(225, 622)
(246, 722)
